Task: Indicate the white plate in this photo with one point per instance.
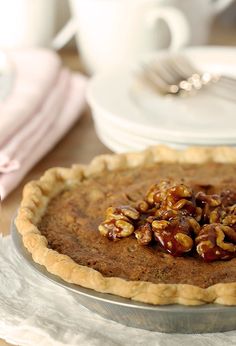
(118, 133)
(200, 120)
(123, 142)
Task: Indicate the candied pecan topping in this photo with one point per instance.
(208, 204)
(122, 212)
(216, 215)
(179, 220)
(211, 200)
(178, 199)
(228, 197)
(228, 218)
(118, 223)
(143, 206)
(177, 195)
(162, 214)
(144, 234)
(211, 244)
(114, 229)
(157, 193)
(174, 235)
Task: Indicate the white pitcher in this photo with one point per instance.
(113, 32)
(26, 23)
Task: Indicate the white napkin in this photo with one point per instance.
(36, 73)
(44, 103)
(36, 312)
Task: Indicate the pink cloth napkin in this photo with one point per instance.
(45, 102)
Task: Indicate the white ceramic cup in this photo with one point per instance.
(26, 23)
(113, 32)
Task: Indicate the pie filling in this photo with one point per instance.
(180, 232)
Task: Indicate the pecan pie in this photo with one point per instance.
(157, 226)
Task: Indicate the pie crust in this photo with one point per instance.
(37, 194)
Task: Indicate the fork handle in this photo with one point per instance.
(175, 20)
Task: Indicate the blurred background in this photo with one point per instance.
(65, 60)
(221, 28)
(49, 49)
(26, 23)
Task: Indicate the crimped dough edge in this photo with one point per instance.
(37, 194)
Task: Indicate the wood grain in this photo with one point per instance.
(4, 343)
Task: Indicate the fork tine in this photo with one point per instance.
(162, 71)
(172, 71)
(153, 78)
(231, 82)
(178, 75)
(184, 67)
(220, 89)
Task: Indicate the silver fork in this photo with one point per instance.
(178, 76)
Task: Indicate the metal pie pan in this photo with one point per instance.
(206, 318)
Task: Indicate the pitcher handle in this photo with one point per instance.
(176, 21)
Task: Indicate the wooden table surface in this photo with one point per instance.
(81, 143)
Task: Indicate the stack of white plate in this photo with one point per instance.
(129, 117)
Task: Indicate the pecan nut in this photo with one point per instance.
(176, 196)
(174, 235)
(124, 212)
(211, 242)
(144, 234)
(115, 229)
(228, 197)
(142, 206)
(216, 215)
(212, 200)
(211, 207)
(158, 193)
(224, 215)
(118, 222)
